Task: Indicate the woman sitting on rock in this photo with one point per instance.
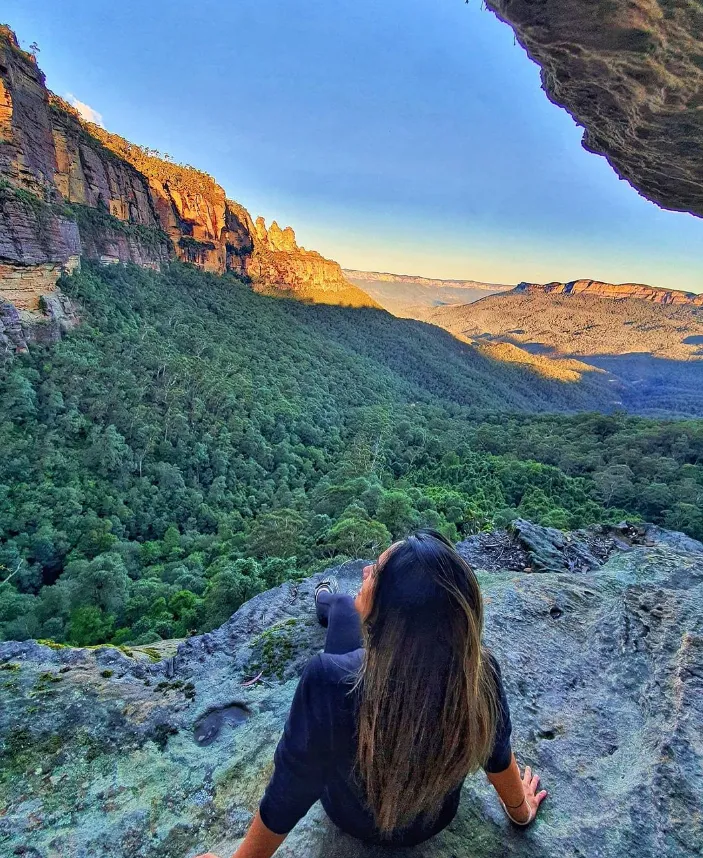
(401, 706)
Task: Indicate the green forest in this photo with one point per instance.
(193, 443)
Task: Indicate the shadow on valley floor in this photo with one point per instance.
(433, 360)
(653, 385)
(644, 383)
(540, 349)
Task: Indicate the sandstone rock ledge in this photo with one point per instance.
(107, 755)
(54, 316)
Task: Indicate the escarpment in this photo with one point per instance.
(278, 263)
(631, 73)
(69, 188)
(598, 289)
(204, 228)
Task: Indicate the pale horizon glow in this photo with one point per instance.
(409, 137)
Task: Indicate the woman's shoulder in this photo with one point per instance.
(327, 669)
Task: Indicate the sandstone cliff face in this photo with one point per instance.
(26, 150)
(69, 188)
(598, 289)
(278, 263)
(55, 315)
(107, 754)
(33, 232)
(36, 241)
(46, 161)
(631, 73)
(13, 338)
(218, 234)
(205, 228)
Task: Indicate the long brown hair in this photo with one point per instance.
(427, 698)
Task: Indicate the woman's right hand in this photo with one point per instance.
(533, 798)
(518, 793)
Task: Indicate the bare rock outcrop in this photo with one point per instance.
(189, 206)
(106, 754)
(13, 338)
(87, 174)
(53, 317)
(48, 160)
(57, 189)
(32, 233)
(26, 147)
(631, 73)
(38, 241)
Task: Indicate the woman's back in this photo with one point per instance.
(316, 758)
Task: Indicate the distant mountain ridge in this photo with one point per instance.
(550, 321)
(651, 340)
(386, 277)
(599, 289)
(408, 296)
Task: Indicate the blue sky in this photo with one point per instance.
(396, 135)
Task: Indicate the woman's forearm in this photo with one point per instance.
(511, 791)
(260, 842)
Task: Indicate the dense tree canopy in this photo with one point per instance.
(193, 443)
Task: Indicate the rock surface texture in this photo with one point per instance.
(631, 73)
(70, 188)
(106, 754)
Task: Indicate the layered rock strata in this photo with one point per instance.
(70, 188)
(53, 317)
(386, 277)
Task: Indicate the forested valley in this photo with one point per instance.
(192, 443)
